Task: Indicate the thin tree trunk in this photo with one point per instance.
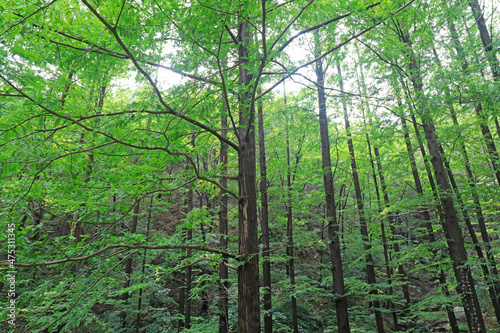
(341, 305)
(385, 246)
(264, 222)
(201, 195)
(189, 273)
(370, 267)
(139, 302)
(223, 270)
(289, 227)
(128, 262)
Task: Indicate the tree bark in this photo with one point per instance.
(386, 201)
(248, 271)
(482, 260)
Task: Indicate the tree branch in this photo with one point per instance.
(121, 246)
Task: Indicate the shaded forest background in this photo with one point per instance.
(246, 166)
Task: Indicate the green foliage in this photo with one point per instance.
(110, 113)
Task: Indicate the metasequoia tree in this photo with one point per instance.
(59, 60)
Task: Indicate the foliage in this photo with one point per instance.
(110, 135)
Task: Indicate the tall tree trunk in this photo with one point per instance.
(189, 272)
(331, 213)
(264, 222)
(370, 267)
(248, 271)
(223, 269)
(202, 194)
(289, 226)
(451, 227)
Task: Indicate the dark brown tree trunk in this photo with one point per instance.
(264, 226)
(370, 267)
(401, 270)
(421, 146)
(497, 124)
(201, 195)
(185, 290)
(451, 227)
(248, 271)
(341, 305)
(182, 305)
(486, 39)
